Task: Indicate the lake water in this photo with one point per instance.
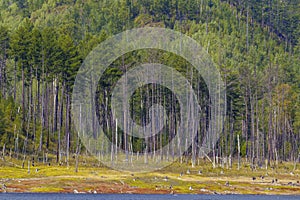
(46, 196)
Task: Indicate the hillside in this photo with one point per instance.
(255, 46)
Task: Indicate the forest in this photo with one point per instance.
(254, 44)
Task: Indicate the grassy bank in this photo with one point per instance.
(177, 178)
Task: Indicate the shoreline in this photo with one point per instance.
(178, 178)
(94, 180)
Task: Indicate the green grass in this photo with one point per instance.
(57, 178)
(46, 189)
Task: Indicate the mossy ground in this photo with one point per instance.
(91, 178)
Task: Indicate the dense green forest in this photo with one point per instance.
(254, 44)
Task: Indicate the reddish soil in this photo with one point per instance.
(81, 185)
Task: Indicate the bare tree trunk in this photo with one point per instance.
(60, 122)
(3, 153)
(68, 127)
(239, 152)
(23, 98)
(77, 153)
(125, 110)
(231, 136)
(55, 104)
(252, 133)
(116, 138)
(42, 102)
(46, 113)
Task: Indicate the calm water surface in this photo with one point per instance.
(28, 196)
